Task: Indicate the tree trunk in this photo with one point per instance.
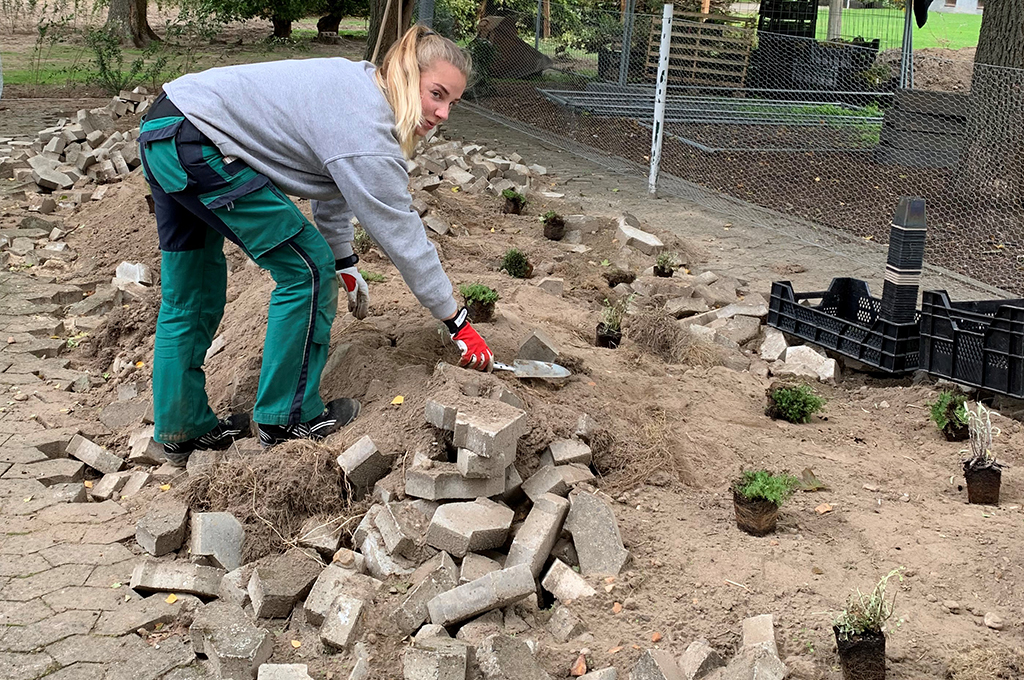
(992, 160)
(282, 27)
(329, 23)
(392, 27)
(127, 19)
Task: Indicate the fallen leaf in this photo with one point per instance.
(165, 487)
(615, 650)
(171, 599)
(140, 364)
(296, 644)
(580, 667)
(398, 400)
(656, 637)
(810, 482)
(617, 608)
(823, 508)
(158, 625)
(88, 484)
(28, 498)
(115, 586)
(609, 588)
(609, 579)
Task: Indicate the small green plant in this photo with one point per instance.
(514, 201)
(516, 263)
(478, 292)
(761, 485)
(667, 261)
(108, 59)
(613, 313)
(372, 277)
(979, 425)
(949, 410)
(550, 216)
(867, 613)
(361, 241)
(795, 403)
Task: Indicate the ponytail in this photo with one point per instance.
(399, 77)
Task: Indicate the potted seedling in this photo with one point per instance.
(514, 202)
(609, 330)
(554, 226)
(860, 632)
(666, 265)
(982, 472)
(949, 413)
(517, 264)
(756, 498)
(794, 403)
(479, 301)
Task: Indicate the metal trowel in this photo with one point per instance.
(542, 370)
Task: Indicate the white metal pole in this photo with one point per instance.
(660, 94)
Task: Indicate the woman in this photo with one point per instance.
(221, 149)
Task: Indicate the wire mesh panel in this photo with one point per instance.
(788, 17)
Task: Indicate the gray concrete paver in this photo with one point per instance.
(23, 613)
(26, 666)
(89, 649)
(98, 554)
(114, 531)
(108, 575)
(91, 513)
(45, 582)
(83, 597)
(47, 631)
(80, 671)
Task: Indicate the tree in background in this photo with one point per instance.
(992, 162)
(126, 20)
(398, 19)
(333, 11)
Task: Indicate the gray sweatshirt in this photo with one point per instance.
(321, 129)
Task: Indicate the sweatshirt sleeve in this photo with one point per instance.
(376, 189)
(334, 220)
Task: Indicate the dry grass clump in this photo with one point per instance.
(987, 663)
(660, 335)
(273, 492)
(645, 449)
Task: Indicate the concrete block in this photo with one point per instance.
(283, 671)
(436, 659)
(459, 528)
(234, 646)
(403, 527)
(48, 472)
(436, 576)
(441, 415)
(144, 449)
(342, 623)
(162, 529)
(492, 433)
(332, 582)
(458, 176)
(379, 563)
(443, 481)
(802, 360)
(753, 307)
(363, 465)
(176, 577)
(759, 631)
(322, 535)
(93, 455)
(538, 346)
(502, 657)
(473, 465)
(275, 588)
(595, 533)
(109, 485)
(217, 539)
(474, 566)
(774, 345)
(565, 451)
(631, 236)
(686, 307)
(565, 584)
(556, 479)
(699, 660)
(564, 625)
(436, 224)
(609, 673)
(655, 664)
(137, 272)
(535, 538)
(233, 585)
(491, 591)
(753, 663)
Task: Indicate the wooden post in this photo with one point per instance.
(547, 18)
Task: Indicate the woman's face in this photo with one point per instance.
(441, 87)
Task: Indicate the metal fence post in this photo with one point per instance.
(660, 95)
(627, 41)
(536, 25)
(427, 13)
(907, 61)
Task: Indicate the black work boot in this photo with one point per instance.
(219, 438)
(337, 415)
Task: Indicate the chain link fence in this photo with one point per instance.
(770, 126)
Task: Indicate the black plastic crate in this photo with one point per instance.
(979, 343)
(846, 321)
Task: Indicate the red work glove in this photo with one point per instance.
(475, 352)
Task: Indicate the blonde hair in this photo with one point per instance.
(399, 76)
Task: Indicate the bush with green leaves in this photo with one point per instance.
(514, 196)
(867, 613)
(614, 312)
(516, 263)
(795, 403)
(761, 485)
(478, 292)
(949, 410)
(108, 59)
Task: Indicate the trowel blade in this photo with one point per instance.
(544, 370)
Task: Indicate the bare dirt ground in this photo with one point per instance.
(671, 439)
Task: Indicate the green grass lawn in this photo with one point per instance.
(948, 30)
